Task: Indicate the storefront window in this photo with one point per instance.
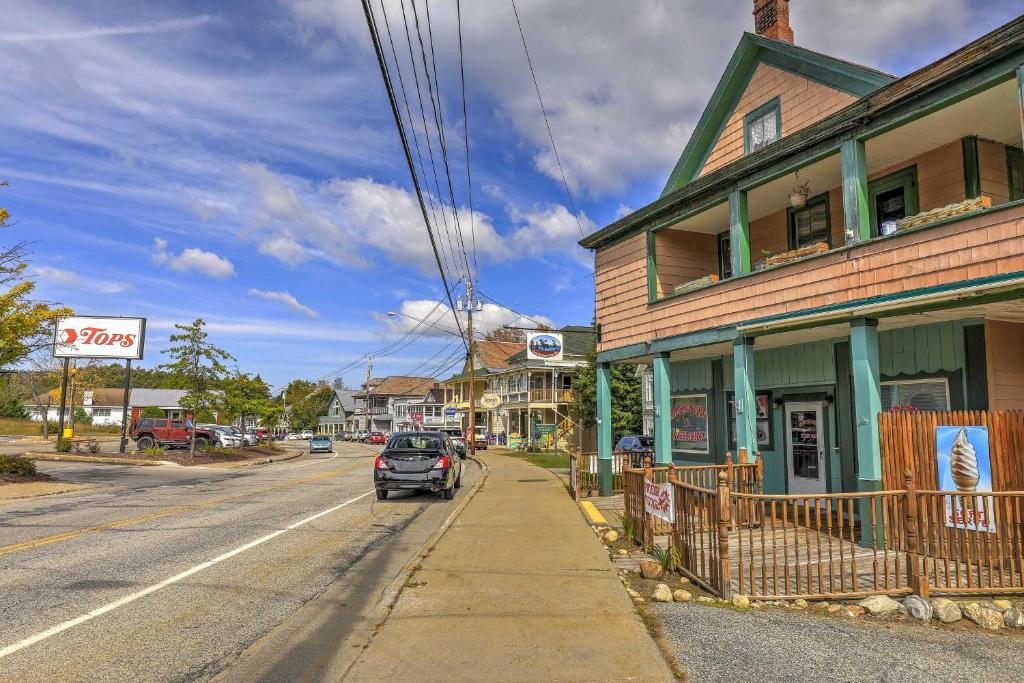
(916, 395)
(763, 420)
(690, 423)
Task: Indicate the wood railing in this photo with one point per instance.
(584, 471)
(550, 395)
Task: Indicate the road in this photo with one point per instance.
(170, 573)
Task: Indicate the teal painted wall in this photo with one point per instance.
(690, 374)
(789, 366)
(927, 348)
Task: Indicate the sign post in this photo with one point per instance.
(124, 407)
(63, 398)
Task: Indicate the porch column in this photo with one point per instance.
(604, 428)
(867, 405)
(739, 232)
(662, 410)
(856, 212)
(743, 384)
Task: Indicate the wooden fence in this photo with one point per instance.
(584, 471)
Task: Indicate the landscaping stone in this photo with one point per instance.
(847, 612)
(832, 609)
(856, 610)
(741, 601)
(918, 607)
(986, 618)
(705, 599)
(649, 569)
(1002, 605)
(611, 536)
(757, 604)
(636, 569)
(800, 603)
(662, 593)
(623, 551)
(821, 606)
(945, 610)
(683, 580)
(879, 605)
(1013, 618)
(682, 595)
(632, 593)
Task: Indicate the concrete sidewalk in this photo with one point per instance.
(518, 589)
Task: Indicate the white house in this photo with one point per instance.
(106, 406)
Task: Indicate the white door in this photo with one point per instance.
(805, 448)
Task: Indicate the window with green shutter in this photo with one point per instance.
(1015, 172)
(810, 224)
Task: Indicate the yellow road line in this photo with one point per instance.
(116, 524)
(595, 515)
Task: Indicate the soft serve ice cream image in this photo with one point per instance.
(963, 466)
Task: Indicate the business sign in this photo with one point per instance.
(690, 423)
(544, 346)
(93, 337)
(417, 419)
(964, 466)
(658, 500)
(449, 411)
(490, 401)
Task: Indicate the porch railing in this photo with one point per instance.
(584, 471)
(550, 395)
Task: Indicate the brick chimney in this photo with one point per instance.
(771, 20)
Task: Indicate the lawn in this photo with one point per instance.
(16, 427)
(552, 460)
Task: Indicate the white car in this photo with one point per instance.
(294, 436)
(225, 438)
(306, 434)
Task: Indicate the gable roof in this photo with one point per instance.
(494, 355)
(347, 399)
(752, 51)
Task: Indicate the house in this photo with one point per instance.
(424, 412)
(489, 357)
(375, 402)
(340, 411)
(833, 242)
(106, 406)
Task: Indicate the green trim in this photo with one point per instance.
(624, 353)
(751, 51)
(724, 237)
(739, 233)
(867, 399)
(774, 104)
(811, 203)
(1015, 171)
(744, 388)
(972, 174)
(856, 210)
(905, 178)
(662, 409)
(652, 267)
(691, 340)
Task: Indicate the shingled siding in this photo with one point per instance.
(803, 102)
(682, 257)
(988, 244)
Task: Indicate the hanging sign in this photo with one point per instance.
(658, 500)
(93, 337)
(543, 346)
(449, 411)
(964, 466)
(490, 401)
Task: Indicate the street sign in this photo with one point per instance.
(544, 346)
(449, 411)
(95, 337)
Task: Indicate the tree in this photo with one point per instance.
(244, 396)
(25, 324)
(506, 334)
(200, 364)
(306, 403)
(627, 400)
(152, 411)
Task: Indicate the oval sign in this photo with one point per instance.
(545, 346)
(490, 401)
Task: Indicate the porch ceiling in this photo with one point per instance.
(823, 175)
(712, 221)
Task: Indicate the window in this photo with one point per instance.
(915, 395)
(810, 224)
(101, 412)
(892, 198)
(724, 256)
(763, 420)
(762, 126)
(690, 423)
(1015, 172)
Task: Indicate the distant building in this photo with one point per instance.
(105, 406)
(375, 404)
(340, 411)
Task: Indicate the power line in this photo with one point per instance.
(543, 110)
(465, 132)
(508, 308)
(371, 26)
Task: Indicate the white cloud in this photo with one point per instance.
(89, 32)
(438, 320)
(285, 298)
(70, 280)
(192, 259)
(550, 229)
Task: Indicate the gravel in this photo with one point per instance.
(717, 644)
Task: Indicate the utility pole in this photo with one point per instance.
(366, 407)
(472, 369)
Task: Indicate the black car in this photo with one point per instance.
(418, 461)
(635, 444)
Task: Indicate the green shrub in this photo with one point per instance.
(152, 411)
(154, 452)
(93, 447)
(63, 445)
(13, 464)
(82, 417)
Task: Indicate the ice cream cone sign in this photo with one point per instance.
(963, 467)
(965, 473)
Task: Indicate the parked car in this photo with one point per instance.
(637, 446)
(480, 440)
(249, 438)
(150, 432)
(293, 436)
(321, 444)
(221, 436)
(306, 434)
(340, 436)
(375, 438)
(261, 432)
(418, 461)
(455, 434)
(359, 435)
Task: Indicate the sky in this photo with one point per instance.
(238, 160)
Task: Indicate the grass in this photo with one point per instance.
(547, 460)
(17, 427)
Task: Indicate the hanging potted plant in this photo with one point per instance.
(799, 194)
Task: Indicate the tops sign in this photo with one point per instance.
(544, 346)
(89, 337)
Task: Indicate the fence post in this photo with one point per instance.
(917, 582)
(758, 472)
(724, 515)
(648, 519)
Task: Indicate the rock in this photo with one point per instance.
(611, 536)
(683, 580)
(832, 609)
(821, 606)
(662, 593)
(986, 618)
(1013, 618)
(879, 605)
(632, 593)
(856, 610)
(1001, 605)
(800, 603)
(741, 601)
(945, 610)
(636, 569)
(682, 595)
(757, 604)
(649, 569)
(623, 551)
(705, 599)
(846, 612)
(918, 607)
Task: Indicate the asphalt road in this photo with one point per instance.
(170, 574)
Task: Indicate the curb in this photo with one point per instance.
(69, 487)
(85, 458)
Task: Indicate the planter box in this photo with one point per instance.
(788, 256)
(699, 283)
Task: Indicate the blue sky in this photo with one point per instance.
(237, 161)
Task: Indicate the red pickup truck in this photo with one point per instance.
(149, 432)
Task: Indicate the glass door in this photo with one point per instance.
(805, 448)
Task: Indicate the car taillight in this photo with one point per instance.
(442, 463)
(380, 463)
